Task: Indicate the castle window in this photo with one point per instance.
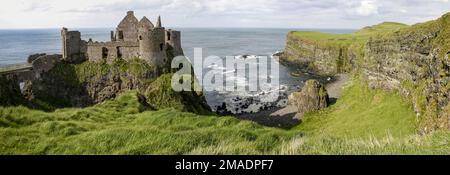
(119, 53)
(140, 37)
(168, 36)
(161, 46)
(120, 34)
(104, 52)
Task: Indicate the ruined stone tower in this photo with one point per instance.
(173, 40)
(151, 42)
(72, 46)
(131, 39)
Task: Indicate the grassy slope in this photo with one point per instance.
(124, 126)
(160, 94)
(363, 113)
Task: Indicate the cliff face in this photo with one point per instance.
(412, 60)
(89, 83)
(10, 93)
(329, 54)
(415, 61)
(312, 56)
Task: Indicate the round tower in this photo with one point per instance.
(151, 43)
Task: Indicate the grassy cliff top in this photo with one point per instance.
(359, 36)
(437, 30)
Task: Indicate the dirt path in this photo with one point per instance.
(334, 88)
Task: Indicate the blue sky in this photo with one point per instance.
(219, 13)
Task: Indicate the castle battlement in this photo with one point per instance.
(131, 39)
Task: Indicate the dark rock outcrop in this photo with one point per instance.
(88, 83)
(10, 93)
(312, 97)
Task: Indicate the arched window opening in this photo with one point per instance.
(120, 34)
(119, 52)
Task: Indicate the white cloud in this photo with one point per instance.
(367, 7)
(219, 13)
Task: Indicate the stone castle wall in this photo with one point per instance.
(124, 50)
(132, 39)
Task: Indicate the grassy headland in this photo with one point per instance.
(358, 37)
(328, 54)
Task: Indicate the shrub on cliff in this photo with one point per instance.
(161, 94)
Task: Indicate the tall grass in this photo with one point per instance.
(125, 126)
(362, 112)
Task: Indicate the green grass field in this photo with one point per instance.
(364, 113)
(375, 123)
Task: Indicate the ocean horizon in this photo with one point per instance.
(17, 44)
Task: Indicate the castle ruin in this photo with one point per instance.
(132, 39)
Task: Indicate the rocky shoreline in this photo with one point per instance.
(287, 116)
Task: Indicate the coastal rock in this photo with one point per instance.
(33, 57)
(312, 97)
